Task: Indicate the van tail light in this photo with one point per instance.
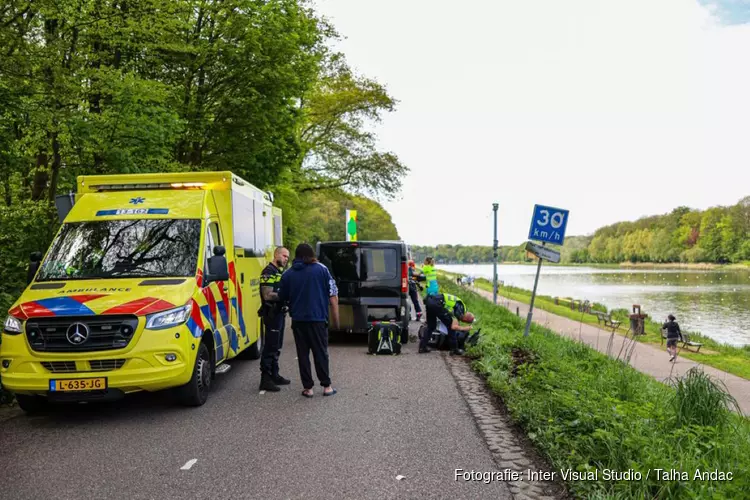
(404, 278)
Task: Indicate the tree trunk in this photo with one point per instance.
(56, 162)
(6, 186)
(41, 176)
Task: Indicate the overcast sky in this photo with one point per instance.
(611, 109)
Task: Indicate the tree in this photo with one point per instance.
(322, 218)
(337, 150)
(242, 69)
(710, 240)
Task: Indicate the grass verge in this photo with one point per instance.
(601, 419)
(734, 360)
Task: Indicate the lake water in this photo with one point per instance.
(715, 303)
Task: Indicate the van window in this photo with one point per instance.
(343, 262)
(277, 236)
(213, 238)
(243, 217)
(213, 227)
(260, 227)
(379, 264)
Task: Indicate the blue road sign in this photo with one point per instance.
(548, 224)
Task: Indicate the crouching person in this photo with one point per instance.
(449, 310)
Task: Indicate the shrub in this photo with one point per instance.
(585, 411)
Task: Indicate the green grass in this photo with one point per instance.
(734, 360)
(585, 411)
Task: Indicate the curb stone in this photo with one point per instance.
(509, 448)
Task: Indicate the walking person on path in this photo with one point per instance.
(673, 334)
(309, 289)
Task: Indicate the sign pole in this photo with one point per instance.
(548, 224)
(494, 260)
(533, 296)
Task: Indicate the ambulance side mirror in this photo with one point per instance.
(217, 266)
(35, 260)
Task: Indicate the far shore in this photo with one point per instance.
(626, 265)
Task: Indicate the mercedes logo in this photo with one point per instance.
(77, 333)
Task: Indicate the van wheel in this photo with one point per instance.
(195, 392)
(32, 404)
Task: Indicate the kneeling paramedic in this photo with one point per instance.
(272, 312)
(449, 309)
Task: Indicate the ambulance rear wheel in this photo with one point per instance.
(32, 404)
(195, 392)
(256, 349)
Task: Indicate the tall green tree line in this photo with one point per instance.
(718, 235)
(130, 86)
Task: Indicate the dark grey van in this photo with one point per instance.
(372, 278)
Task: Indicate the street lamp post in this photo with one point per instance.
(494, 260)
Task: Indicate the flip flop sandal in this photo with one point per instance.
(330, 393)
(307, 395)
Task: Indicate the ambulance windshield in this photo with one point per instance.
(123, 249)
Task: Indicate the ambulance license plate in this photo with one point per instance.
(78, 384)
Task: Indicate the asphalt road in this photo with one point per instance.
(392, 416)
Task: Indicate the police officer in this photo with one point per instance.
(449, 309)
(413, 289)
(272, 312)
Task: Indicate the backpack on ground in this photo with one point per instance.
(384, 338)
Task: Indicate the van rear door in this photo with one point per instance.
(343, 261)
(370, 276)
(380, 265)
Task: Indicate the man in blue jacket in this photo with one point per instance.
(309, 288)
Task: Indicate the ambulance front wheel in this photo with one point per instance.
(195, 392)
(32, 404)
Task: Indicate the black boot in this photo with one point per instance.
(424, 350)
(279, 380)
(267, 384)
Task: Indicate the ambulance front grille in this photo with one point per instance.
(80, 333)
(95, 365)
(60, 366)
(103, 365)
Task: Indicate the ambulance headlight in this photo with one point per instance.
(166, 319)
(12, 325)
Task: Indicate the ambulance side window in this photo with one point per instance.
(213, 238)
(213, 228)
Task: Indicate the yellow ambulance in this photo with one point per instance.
(150, 283)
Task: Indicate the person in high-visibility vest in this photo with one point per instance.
(449, 309)
(413, 289)
(430, 275)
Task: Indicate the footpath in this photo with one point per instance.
(645, 358)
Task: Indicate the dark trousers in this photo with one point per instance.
(312, 335)
(274, 339)
(414, 297)
(435, 311)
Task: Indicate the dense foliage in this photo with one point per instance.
(470, 254)
(252, 86)
(587, 412)
(718, 235)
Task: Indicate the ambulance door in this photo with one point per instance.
(217, 308)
